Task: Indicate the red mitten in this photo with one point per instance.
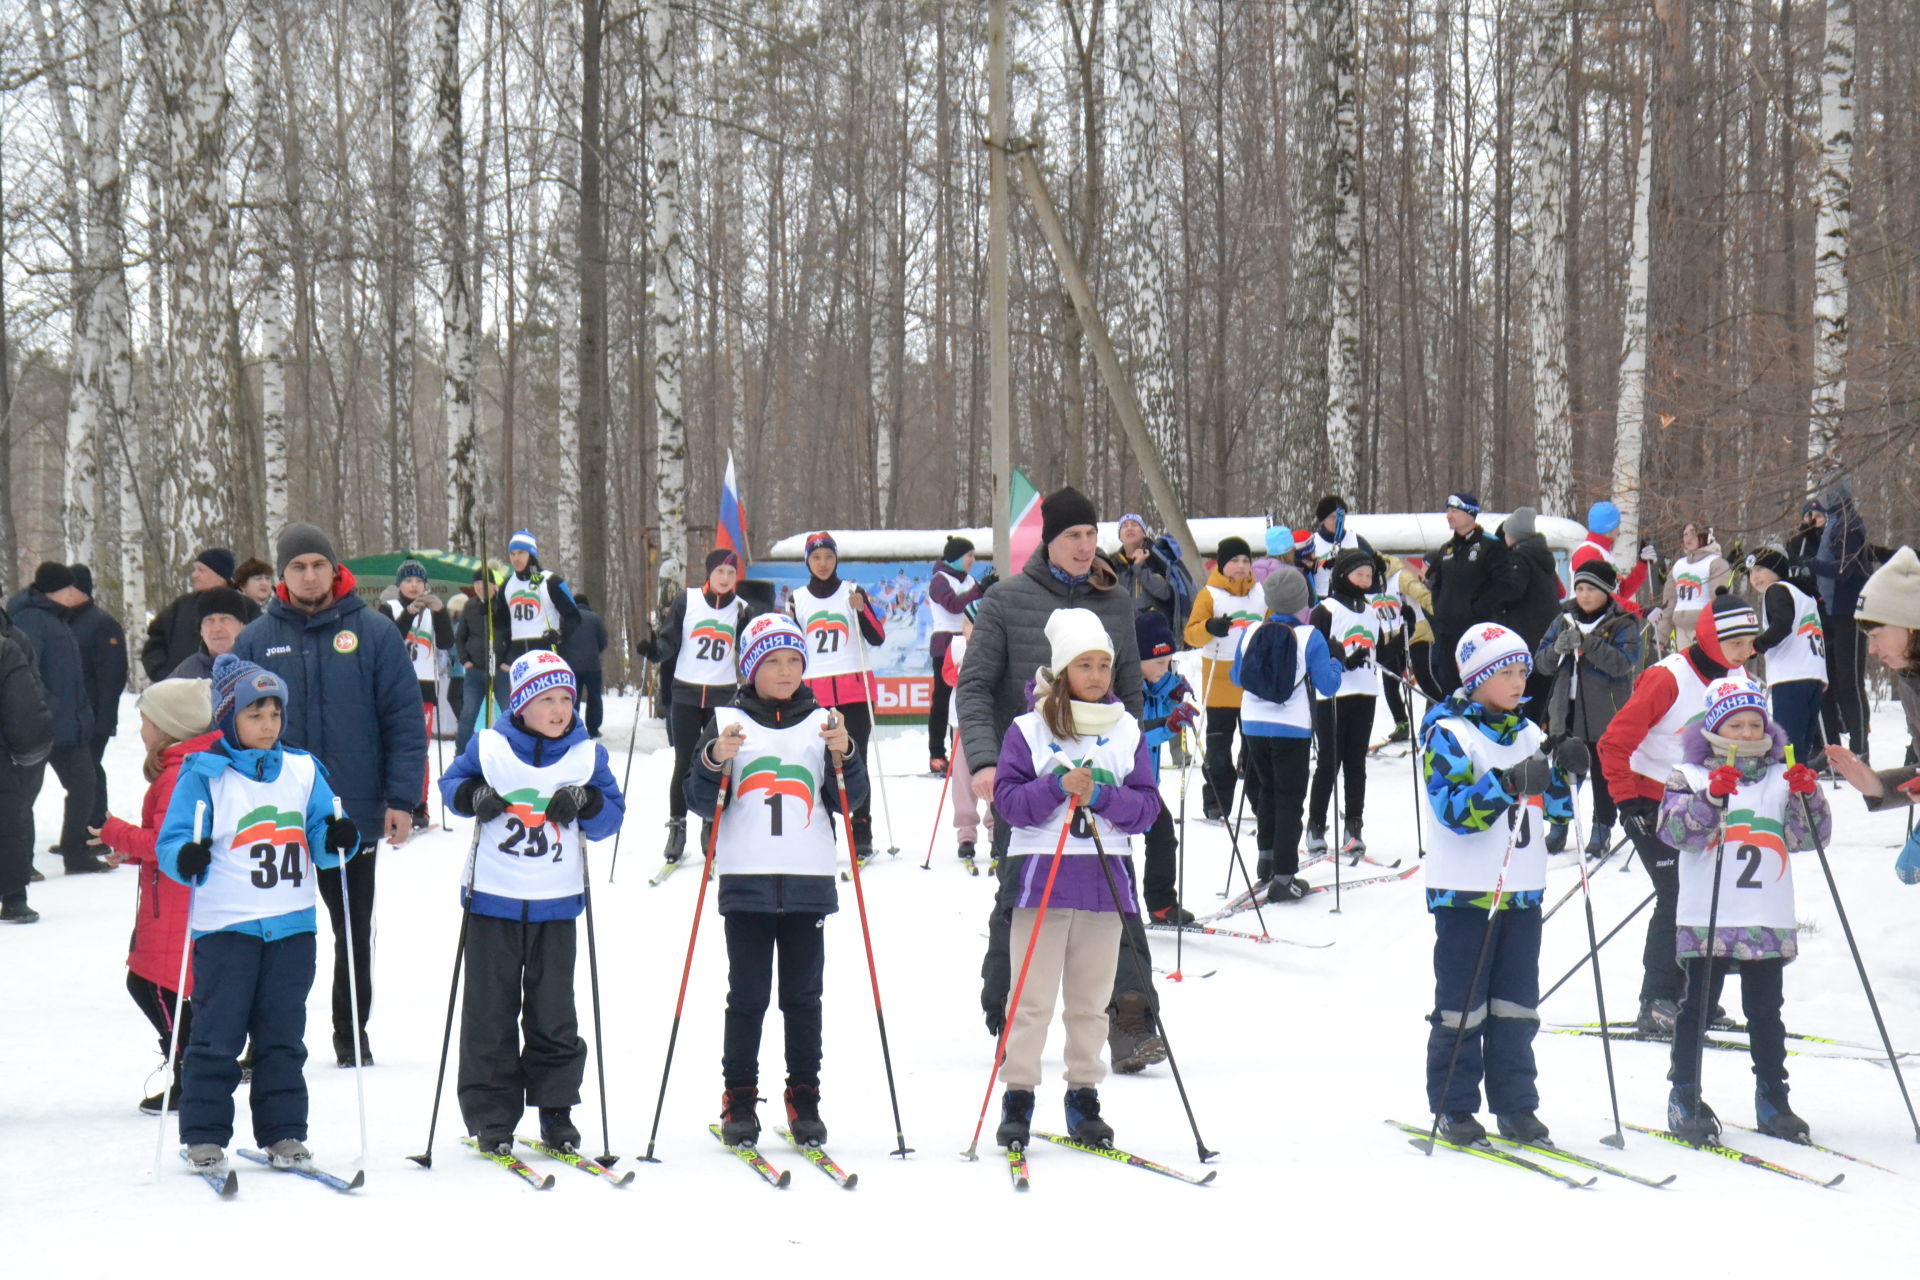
(1802, 781)
(1182, 716)
(1723, 782)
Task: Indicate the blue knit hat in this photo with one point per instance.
(1152, 635)
(237, 685)
(766, 633)
(535, 672)
(1603, 517)
(522, 540)
(409, 569)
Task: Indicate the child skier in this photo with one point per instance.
(174, 715)
(1734, 792)
(1592, 651)
(427, 629)
(1218, 612)
(1795, 646)
(533, 608)
(1488, 782)
(775, 854)
(828, 610)
(539, 788)
(1343, 724)
(966, 813)
(1077, 747)
(951, 587)
(1276, 661)
(1165, 714)
(251, 863)
(697, 646)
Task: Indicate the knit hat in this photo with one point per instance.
(1598, 572)
(52, 576)
(1279, 541)
(220, 560)
(1072, 632)
(1461, 500)
(250, 568)
(1302, 539)
(82, 578)
(1729, 618)
(1286, 590)
(1231, 546)
(766, 633)
(533, 673)
(215, 600)
(1327, 506)
(1349, 561)
(1152, 634)
(1485, 649)
(1732, 692)
(972, 610)
(1063, 509)
(1603, 517)
(815, 541)
(1892, 595)
(523, 540)
(1772, 559)
(409, 569)
(1132, 517)
(238, 684)
(1520, 524)
(181, 709)
(295, 540)
(722, 555)
(956, 547)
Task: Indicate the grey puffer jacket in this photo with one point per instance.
(1607, 660)
(1010, 643)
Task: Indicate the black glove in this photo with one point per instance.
(195, 857)
(342, 836)
(1573, 759)
(1529, 777)
(1218, 626)
(1639, 815)
(988, 581)
(572, 803)
(1357, 659)
(479, 799)
(996, 1022)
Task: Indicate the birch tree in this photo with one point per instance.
(1343, 169)
(271, 232)
(664, 320)
(456, 303)
(1833, 194)
(403, 507)
(1547, 214)
(1308, 334)
(566, 344)
(1630, 416)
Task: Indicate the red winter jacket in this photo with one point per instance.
(160, 919)
(1653, 693)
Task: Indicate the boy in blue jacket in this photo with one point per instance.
(1165, 713)
(538, 787)
(241, 830)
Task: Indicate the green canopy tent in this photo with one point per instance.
(446, 571)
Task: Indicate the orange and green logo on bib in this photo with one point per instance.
(1744, 828)
(828, 622)
(270, 825)
(1356, 637)
(779, 778)
(712, 629)
(528, 805)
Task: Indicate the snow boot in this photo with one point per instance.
(1285, 888)
(18, 913)
(288, 1152)
(1316, 841)
(1016, 1119)
(1719, 1019)
(676, 839)
(1657, 1019)
(1689, 1118)
(558, 1130)
(85, 864)
(170, 1099)
(1173, 913)
(342, 1051)
(1462, 1129)
(803, 1115)
(739, 1126)
(1773, 1114)
(1084, 1124)
(206, 1155)
(1522, 1126)
(1556, 837)
(1599, 841)
(1132, 1043)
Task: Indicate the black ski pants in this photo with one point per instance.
(1218, 773)
(520, 1042)
(688, 721)
(1500, 1014)
(1163, 856)
(1762, 995)
(1661, 977)
(359, 869)
(755, 940)
(1342, 728)
(1282, 767)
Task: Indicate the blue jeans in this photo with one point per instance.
(472, 699)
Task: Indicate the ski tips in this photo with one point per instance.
(358, 1180)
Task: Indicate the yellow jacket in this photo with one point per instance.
(1216, 681)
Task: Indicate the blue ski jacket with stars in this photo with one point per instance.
(1468, 802)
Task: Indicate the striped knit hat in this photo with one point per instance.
(237, 685)
(1485, 649)
(1730, 618)
(535, 672)
(764, 634)
(1731, 693)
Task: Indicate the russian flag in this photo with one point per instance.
(731, 533)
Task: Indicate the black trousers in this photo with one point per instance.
(74, 767)
(1217, 773)
(1846, 683)
(1500, 1015)
(1762, 995)
(1282, 767)
(860, 727)
(161, 1006)
(1441, 668)
(755, 939)
(1661, 977)
(16, 834)
(359, 870)
(940, 705)
(1420, 658)
(1392, 658)
(98, 818)
(1163, 850)
(593, 699)
(520, 1042)
(689, 721)
(1341, 729)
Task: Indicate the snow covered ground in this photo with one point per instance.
(1293, 1059)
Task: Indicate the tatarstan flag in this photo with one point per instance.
(714, 629)
(1023, 537)
(778, 778)
(528, 805)
(829, 621)
(1744, 828)
(1356, 637)
(269, 825)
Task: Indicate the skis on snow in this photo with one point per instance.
(820, 1160)
(659, 877)
(751, 1157)
(1553, 1152)
(1017, 1167)
(513, 1164)
(1486, 1151)
(306, 1169)
(1118, 1156)
(1739, 1156)
(1211, 930)
(585, 1164)
(220, 1177)
(1810, 1145)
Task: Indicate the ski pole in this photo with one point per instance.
(1598, 863)
(866, 679)
(439, 752)
(1146, 984)
(179, 996)
(686, 970)
(1575, 761)
(1413, 757)
(1595, 950)
(901, 1148)
(606, 1159)
(1705, 992)
(353, 994)
(613, 864)
(1020, 984)
(1180, 935)
(953, 749)
(425, 1159)
(1826, 869)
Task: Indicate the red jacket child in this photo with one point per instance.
(160, 921)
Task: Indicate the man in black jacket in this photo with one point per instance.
(41, 612)
(582, 650)
(174, 634)
(1533, 599)
(1469, 584)
(26, 735)
(103, 661)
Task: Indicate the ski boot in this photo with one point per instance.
(1316, 841)
(803, 1115)
(558, 1130)
(1599, 840)
(1718, 1019)
(676, 839)
(495, 1142)
(1285, 888)
(288, 1152)
(1401, 731)
(1083, 1118)
(938, 766)
(1657, 1019)
(1173, 913)
(206, 1155)
(739, 1125)
(1132, 1043)
(1773, 1114)
(1556, 837)
(1522, 1126)
(1016, 1119)
(1355, 848)
(966, 851)
(1689, 1118)
(1462, 1129)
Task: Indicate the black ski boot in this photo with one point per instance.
(558, 1130)
(342, 1051)
(1657, 1018)
(1556, 837)
(1172, 913)
(1285, 888)
(739, 1125)
(803, 1115)
(1016, 1119)
(1462, 1128)
(495, 1142)
(676, 839)
(1773, 1114)
(966, 851)
(170, 1099)
(1316, 840)
(1132, 1043)
(1689, 1118)
(1599, 840)
(1522, 1126)
(1083, 1118)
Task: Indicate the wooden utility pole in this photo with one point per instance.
(1126, 406)
(999, 364)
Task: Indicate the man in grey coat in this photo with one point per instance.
(1009, 644)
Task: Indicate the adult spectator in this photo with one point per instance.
(103, 661)
(533, 610)
(1469, 583)
(254, 580)
(1534, 599)
(473, 651)
(26, 735)
(582, 651)
(223, 614)
(1603, 523)
(1697, 576)
(41, 612)
(174, 633)
(352, 701)
(1142, 571)
(1889, 613)
(950, 589)
(1840, 568)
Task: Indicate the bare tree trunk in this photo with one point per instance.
(591, 446)
(1303, 426)
(1832, 193)
(456, 304)
(569, 281)
(9, 532)
(1343, 337)
(271, 201)
(1547, 187)
(668, 270)
(402, 503)
(1630, 417)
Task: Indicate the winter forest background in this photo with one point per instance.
(424, 271)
